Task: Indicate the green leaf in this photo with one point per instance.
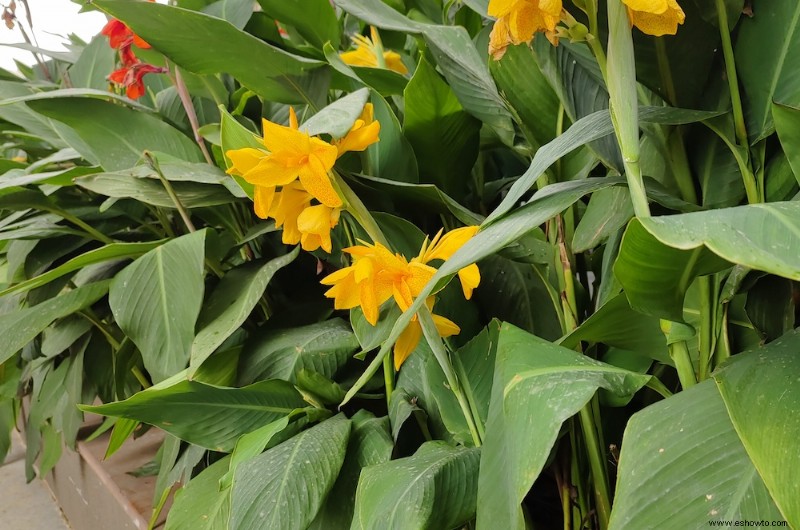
(370, 444)
(200, 505)
(527, 90)
(209, 416)
(156, 300)
(660, 256)
(251, 445)
(152, 191)
(385, 82)
(232, 302)
(434, 488)
(444, 137)
(315, 20)
(607, 212)
(208, 45)
(393, 157)
(116, 135)
(761, 390)
(682, 463)
(537, 386)
(337, 118)
(96, 61)
(286, 486)
(768, 68)
(98, 255)
(787, 123)
(616, 324)
(237, 12)
(20, 327)
(280, 354)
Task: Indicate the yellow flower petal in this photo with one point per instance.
(445, 326)
(500, 8)
(243, 160)
(655, 7)
(394, 62)
(314, 178)
(278, 138)
(262, 200)
(273, 170)
(499, 39)
(287, 206)
(470, 278)
(360, 57)
(315, 224)
(406, 343)
(449, 243)
(363, 133)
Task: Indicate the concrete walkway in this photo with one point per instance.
(26, 506)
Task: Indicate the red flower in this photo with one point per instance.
(131, 78)
(118, 33)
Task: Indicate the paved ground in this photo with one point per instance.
(26, 506)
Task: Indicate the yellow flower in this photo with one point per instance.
(262, 200)
(518, 20)
(290, 154)
(287, 206)
(362, 134)
(315, 224)
(444, 247)
(409, 338)
(655, 17)
(366, 54)
(368, 282)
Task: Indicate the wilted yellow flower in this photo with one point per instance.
(655, 17)
(290, 155)
(409, 338)
(366, 54)
(518, 20)
(362, 134)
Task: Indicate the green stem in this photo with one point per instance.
(750, 184)
(620, 78)
(596, 465)
(357, 209)
(679, 353)
(707, 324)
(594, 33)
(388, 377)
(95, 234)
(153, 163)
(140, 377)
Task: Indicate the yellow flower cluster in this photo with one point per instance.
(376, 275)
(299, 165)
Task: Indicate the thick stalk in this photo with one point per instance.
(683, 362)
(388, 378)
(597, 466)
(621, 82)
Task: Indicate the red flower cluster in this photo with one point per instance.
(122, 38)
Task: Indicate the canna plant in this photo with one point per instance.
(414, 263)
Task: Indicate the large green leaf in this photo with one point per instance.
(205, 44)
(20, 327)
(116, 135)
(315, 20)
(322, 347)
(370, 444)
(768, 67)
(98, 255)
(660, 256)
(156, 300)
(237, 12)
(434, 488)
(761, 391)
(443, 135)
(200, 505)
(683, 463)
(393, 157)
(607, 212)
(209, 416)
(286, 486)
(537, 386)
(337, 118)
(232, 302)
